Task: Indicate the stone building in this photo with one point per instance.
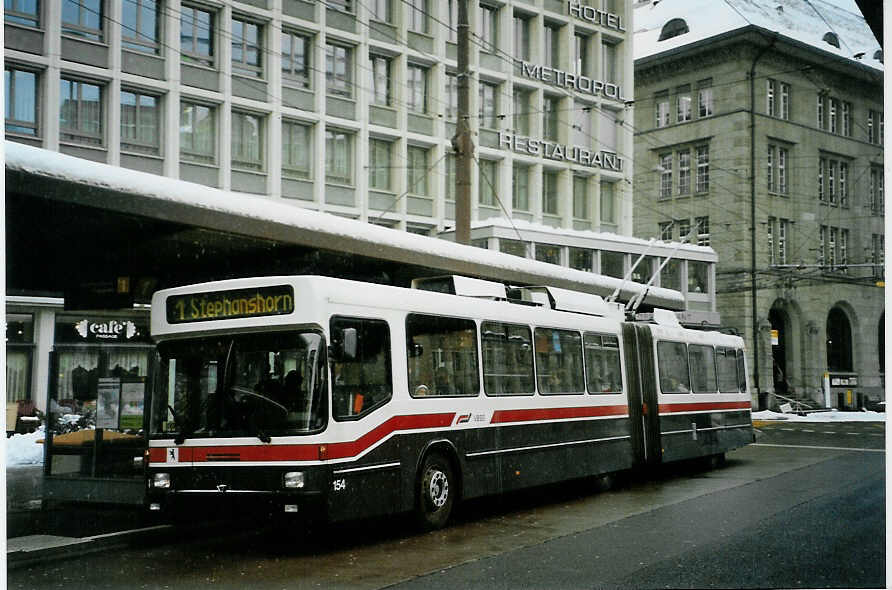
(759, 131)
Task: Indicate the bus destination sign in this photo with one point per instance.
(228, 305)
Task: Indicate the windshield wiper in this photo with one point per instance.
(183, 432)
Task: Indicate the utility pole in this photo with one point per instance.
(462, 143)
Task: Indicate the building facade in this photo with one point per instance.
(762, 127)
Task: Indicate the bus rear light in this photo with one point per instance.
(154, 506)
(290, 507)
(323, 452)
(294, 479)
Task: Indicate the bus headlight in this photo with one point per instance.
(294, 479)
(161, 480)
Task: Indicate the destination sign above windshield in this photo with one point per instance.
(228, 305)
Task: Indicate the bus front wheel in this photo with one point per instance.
(436, 492)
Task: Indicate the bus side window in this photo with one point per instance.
(603, 371)
(741, 371)
(360, 366)
(559, 365)
(702, 363)
(726, 366)
(507, 359)
(672, 361)
(441, 354)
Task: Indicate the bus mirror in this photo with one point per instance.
(348, 343)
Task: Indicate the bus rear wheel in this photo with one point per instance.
(436, 492)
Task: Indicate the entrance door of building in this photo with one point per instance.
(779, 335)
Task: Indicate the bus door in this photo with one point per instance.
(643, 405)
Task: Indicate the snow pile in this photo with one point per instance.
(23, 449)
(830, 416)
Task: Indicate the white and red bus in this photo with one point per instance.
(320, 396)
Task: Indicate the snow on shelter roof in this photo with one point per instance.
(804, 21)
(149, 195)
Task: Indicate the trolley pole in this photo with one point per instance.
(462, 143)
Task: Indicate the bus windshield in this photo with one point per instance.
(262, 385)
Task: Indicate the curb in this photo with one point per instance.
(66, 547)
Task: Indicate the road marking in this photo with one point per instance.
(854, 433)
(789, 429)
(819, 448)
(804, 430)
(829, 432)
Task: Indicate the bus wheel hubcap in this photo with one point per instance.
(439, 489)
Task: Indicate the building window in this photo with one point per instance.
(196, 35)
(684, 172)
(772, 221)
(878, 254)
(21, 101)
(451, 96)
(521, 117)
(452, 25)
(608, 62)
(875, 192)
(488, 182)
(416, 83)
(820, 110)
(684, 230)
(548, 253)
(418, 22)
(665, 169)
(340, 5)
(581, 259)
(140, 122)
(777, 169)
(777, 99)
(666, 230)
(338, 157)
(875, 127)
(612, 264)
(247, 48)
(834, 108)
(297, 150)
(380, 10)
(608, 203)
(22, 12)
(488, 105)
(380, 165)
(580, 198)
(416, 170)
(705, 98)
(846, 116)
(822, 166)
(380, 79)
(782, 234)
(822, 246)
(683, 111)
(698, 281)
(297, 59)
(583, 59)
(550, 121)
(661, 108)
(80, 112)
(844, 184)
(520, 184)
(843, 250)
(339, 70)
(198, 133)
(247, 141)
(550, 196)
(513, 247)
(552, 45)
(702, 169)
(489, 28)
(140, 26)
(450, 177)
(83, 18)
(702, 226)
(831, 248)
(521, 37)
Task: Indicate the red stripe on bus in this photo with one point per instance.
(503, 416)
(306, 452)
(696, 407)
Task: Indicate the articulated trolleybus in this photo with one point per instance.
(314, 396)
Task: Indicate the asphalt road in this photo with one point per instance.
(792, 511)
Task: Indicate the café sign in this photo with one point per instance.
(106, 330)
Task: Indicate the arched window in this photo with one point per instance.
(674, 28)
(832, 39)
(839, 341)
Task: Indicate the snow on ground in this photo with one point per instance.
(23, 449)
(830, 416)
